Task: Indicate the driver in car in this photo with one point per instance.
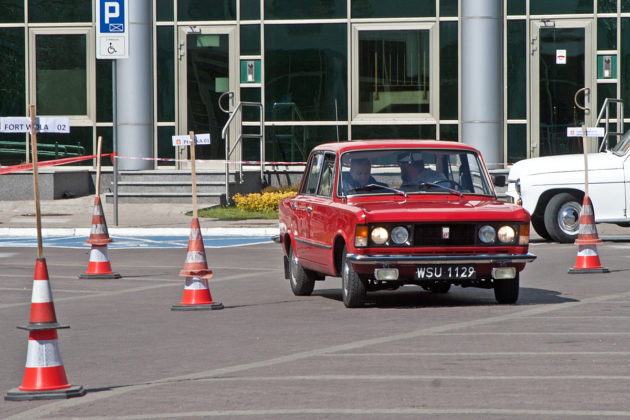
(413, 172)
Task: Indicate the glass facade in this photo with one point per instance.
(325, 70)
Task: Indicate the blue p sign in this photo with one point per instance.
(112, 16)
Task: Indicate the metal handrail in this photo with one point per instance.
(619, 118)
(225, 135)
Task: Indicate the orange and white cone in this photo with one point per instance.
(45, 376)
(99, 266)
(587, 257)
(196, 292)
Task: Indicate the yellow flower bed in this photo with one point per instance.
(260, 202)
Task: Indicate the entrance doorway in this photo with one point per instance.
(560, 66)
(207, 69)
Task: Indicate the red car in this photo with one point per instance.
(386, 213)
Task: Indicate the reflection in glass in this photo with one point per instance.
(12, 78)
(558, 85)
(165, 73)
(392, 8)
(207, 71)
(305, 9)
(516, 142)
(204, 10)
(394, 71)
(546, 7)
(61, 74)
(398, 131)
(59, 11)
(516, 69)
(11, 11)
(294, 143)
(448, 71)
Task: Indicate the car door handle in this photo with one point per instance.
(309, 209)
(293, 206)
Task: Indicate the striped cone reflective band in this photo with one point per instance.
(197, 296)
(99, 265)
(588, 261)
(196, 264)
(98, 233)
(44, 376)
(587, 234)
(42, 307)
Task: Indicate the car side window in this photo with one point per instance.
(314, 171)
(328, 176)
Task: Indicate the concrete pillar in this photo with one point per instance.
(482, 78)
(134, 91)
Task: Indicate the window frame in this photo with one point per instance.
(90, 68)
(434, 100)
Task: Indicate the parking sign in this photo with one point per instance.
(112, 29)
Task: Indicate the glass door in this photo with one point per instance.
(207, 69)
(560, 66)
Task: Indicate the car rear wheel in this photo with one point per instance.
(562, 218)
(352, 287)
(302, 281)
(506, 290)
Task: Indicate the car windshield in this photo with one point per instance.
(412, 171)
(624, 144)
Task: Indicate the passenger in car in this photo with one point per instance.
(413, 171)
(360, 175)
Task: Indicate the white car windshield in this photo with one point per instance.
(412, 171)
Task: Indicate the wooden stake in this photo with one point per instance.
(585, 160)
(194, 172)
(38, 214)
(98, 165)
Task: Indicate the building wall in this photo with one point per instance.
(324, 69)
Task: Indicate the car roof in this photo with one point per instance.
(344, 146)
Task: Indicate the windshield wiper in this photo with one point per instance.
(437, 185)
(370, 187)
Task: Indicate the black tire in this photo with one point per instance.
(353, 289)
(538, 223)
(438, 287)
(506, 290)
(562, 218)
(302, 281)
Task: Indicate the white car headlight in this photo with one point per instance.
(379, 235)
(400, 235)
(506, 234)
(487, 234)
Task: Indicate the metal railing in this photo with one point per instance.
(605, 109)
(225, 135)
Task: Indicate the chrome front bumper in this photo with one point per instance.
(440, 259)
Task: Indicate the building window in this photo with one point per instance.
(393, 71)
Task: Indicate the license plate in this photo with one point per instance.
(445, 272)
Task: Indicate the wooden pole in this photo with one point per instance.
(98, 165)
(194, 172)
(38, 213)
(585, 160)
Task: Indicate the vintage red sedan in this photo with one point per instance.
(386, 213)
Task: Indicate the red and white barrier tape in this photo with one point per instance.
(243, 162)
(45, 163)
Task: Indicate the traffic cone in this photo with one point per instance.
(99, 266)
(196, 292)
(587, 257)
(44, 376)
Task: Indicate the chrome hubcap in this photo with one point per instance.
(569, 218)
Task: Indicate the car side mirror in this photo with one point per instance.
(499, 180)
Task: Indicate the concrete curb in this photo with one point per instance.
(84, 232)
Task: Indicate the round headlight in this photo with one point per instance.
(506, 234)
(487, 234)
(400, 235)
(379, 235)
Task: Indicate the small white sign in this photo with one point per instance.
(185, 140)
(112, 29)
(42, 124)
(590, 132)
(561, 56)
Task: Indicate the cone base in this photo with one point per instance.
(216, 305)
(588, 270)
(43, 326)
(17, 395)
(100, 276)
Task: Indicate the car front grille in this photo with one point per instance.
(444, 234)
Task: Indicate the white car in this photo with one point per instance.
(551, 189)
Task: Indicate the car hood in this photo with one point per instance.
(442, 209)
(564, 163)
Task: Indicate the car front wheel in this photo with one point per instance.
(562, 218)
(506, 290)
(302, 281)
(352, 287)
